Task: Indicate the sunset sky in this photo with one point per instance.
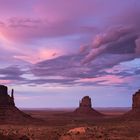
(53, 52)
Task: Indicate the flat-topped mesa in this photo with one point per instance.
(85, 107)
(136, 101)
(5, 99)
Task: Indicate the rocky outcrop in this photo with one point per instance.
(5, 99)
(85, 108)
(85, 102)
(136, 101)
(134, 113)
(8, 111)
(85, 133)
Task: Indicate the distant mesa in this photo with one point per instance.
(85, 108)
(134, 113)
(8, 111)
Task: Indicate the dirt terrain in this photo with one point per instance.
(59, 124)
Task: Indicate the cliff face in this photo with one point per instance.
(5, 99)
(136, 101)
(134, 113)
(85, 108)
(9, 113)
(85, 102)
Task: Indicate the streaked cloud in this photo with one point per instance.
(70, 44)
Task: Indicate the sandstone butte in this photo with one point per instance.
(134, 113)
(85, 108)
(8, 111)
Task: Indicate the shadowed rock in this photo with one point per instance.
(136, 101)
(8, 111)
(134, 113)
(5, 99)
(85, 107)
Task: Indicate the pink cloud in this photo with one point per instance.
(107, 80)
(93, 54)
(5, 81)
(112, 34)
(27, 29)
(40, 55)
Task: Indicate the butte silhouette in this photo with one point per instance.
(8, 111)
(134, 113)
(85, 108)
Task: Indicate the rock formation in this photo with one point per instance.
(85, 133)
(85, 102)
(85, 107)
(134, 113)
(5, 99)
(136, 101)
(8, 111)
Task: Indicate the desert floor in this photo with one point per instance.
(58, 124)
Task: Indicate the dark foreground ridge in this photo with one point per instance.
(13, 137)
(9, 113)
(85, 108)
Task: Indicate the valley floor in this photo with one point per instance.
(57, 125)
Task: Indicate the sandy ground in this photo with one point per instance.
(60, 125)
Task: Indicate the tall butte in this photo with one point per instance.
(136, 102)
(8, 111)
(134, 113)
(85, 108)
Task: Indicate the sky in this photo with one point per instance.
(54, 52)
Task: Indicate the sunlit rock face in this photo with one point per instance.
(136, 101)
(85, 108)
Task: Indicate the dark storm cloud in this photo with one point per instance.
(71, 69)
(11, 73)
(116, 42)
